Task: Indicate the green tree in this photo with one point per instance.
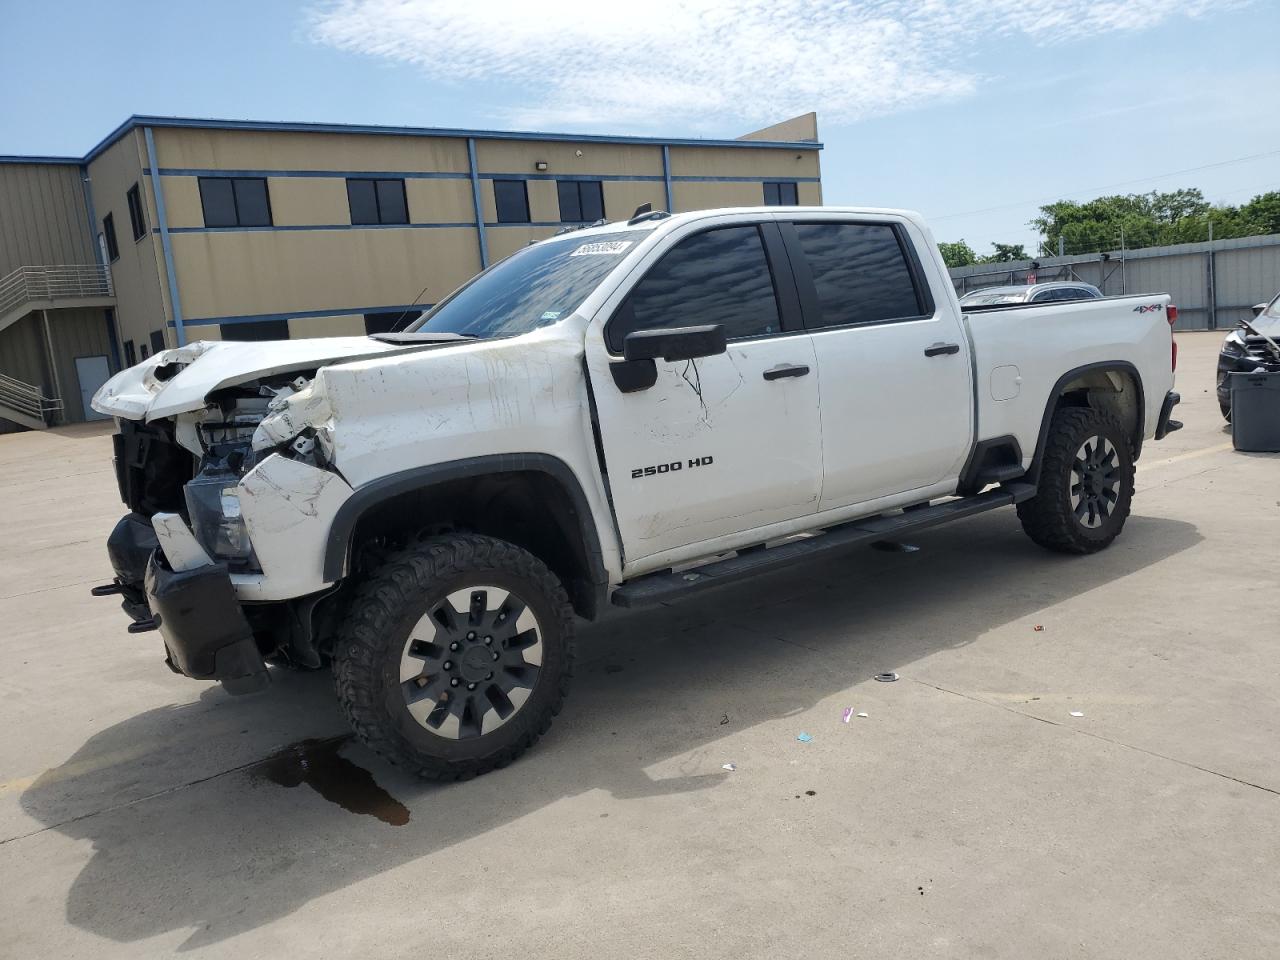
(1263, 212)
(1150, 219)
(957, 254)
(1004, 253)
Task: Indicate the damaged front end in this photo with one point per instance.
(218, 550)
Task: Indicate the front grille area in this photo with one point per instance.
(151, 468)
(1259, 349)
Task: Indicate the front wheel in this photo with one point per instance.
(1086, 483)
(455, 656)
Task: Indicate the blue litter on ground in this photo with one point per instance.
(804, 737)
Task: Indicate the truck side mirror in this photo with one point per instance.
(1258, 308)
(641, 348)
(677, 343)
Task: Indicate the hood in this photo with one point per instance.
(205, 366)
(1268, 326)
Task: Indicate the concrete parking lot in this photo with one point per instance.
(969, 814)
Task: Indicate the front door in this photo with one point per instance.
(718, 445)
(92, 372)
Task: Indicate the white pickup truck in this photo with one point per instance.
(629, 413)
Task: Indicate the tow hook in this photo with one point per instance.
(144, 626)
(107, 589)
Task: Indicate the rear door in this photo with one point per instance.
(895, 385)
(719, 445)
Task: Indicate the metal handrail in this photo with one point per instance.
(56, 282)
(27, 398)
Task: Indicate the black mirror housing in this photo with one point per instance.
(677, 343)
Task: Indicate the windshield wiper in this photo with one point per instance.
(425, 336)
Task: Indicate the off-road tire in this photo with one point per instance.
(1049, 518)
(1226, 410)
(388, 607)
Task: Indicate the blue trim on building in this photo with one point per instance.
(306, 314)
(198, 123)
(747, 179)
(477, 204)
(393, 175)
(311, 174)
(294, 227)
(157, 189)
(666, 177)
(59, 161)
(277, 228)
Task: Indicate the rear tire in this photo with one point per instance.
(1086, 483)
(1226, 410)
(455, 656)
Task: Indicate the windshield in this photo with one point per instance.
(532, 288)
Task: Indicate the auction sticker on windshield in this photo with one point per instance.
(603, 248)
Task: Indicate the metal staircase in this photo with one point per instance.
(25, 404)
(53, 287)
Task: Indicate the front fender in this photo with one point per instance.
(289, 508)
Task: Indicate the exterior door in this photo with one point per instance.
(896, 393)
(718, 445)
(92, 372)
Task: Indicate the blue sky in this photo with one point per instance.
(971, 111)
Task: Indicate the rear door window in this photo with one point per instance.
(860, 272)
(720, 276)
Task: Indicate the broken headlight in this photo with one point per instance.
(213, 504)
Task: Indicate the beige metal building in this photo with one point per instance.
(175, 230)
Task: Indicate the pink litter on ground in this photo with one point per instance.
(848, 712)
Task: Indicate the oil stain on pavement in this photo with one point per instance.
(318, 764)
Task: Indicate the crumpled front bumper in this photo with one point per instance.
(206, 635)
(129, 548)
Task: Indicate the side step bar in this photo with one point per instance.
(661, 587)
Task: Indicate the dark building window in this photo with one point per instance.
(860, 273)
(581, 201)
(720, 276)
(780, 195)
(157, 341)
(109, 235)
(256, 330)
(235, 202)
(391, 320)
(130, 357)
(377, 201)
(511, 197)
(136, 218)
(142, 351)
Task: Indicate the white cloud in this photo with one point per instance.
(699, 61)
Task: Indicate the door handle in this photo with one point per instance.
(938, 349)
(786, 370)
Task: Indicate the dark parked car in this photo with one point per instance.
(1031, 293)
(1244, 351)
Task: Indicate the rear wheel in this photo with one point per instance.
(455, 656)
(1086, 483)
(1226, 410)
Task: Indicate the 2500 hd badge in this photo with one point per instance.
(671, 467)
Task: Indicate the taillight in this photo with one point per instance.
(1171, 314)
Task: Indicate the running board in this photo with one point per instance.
(661, 587)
